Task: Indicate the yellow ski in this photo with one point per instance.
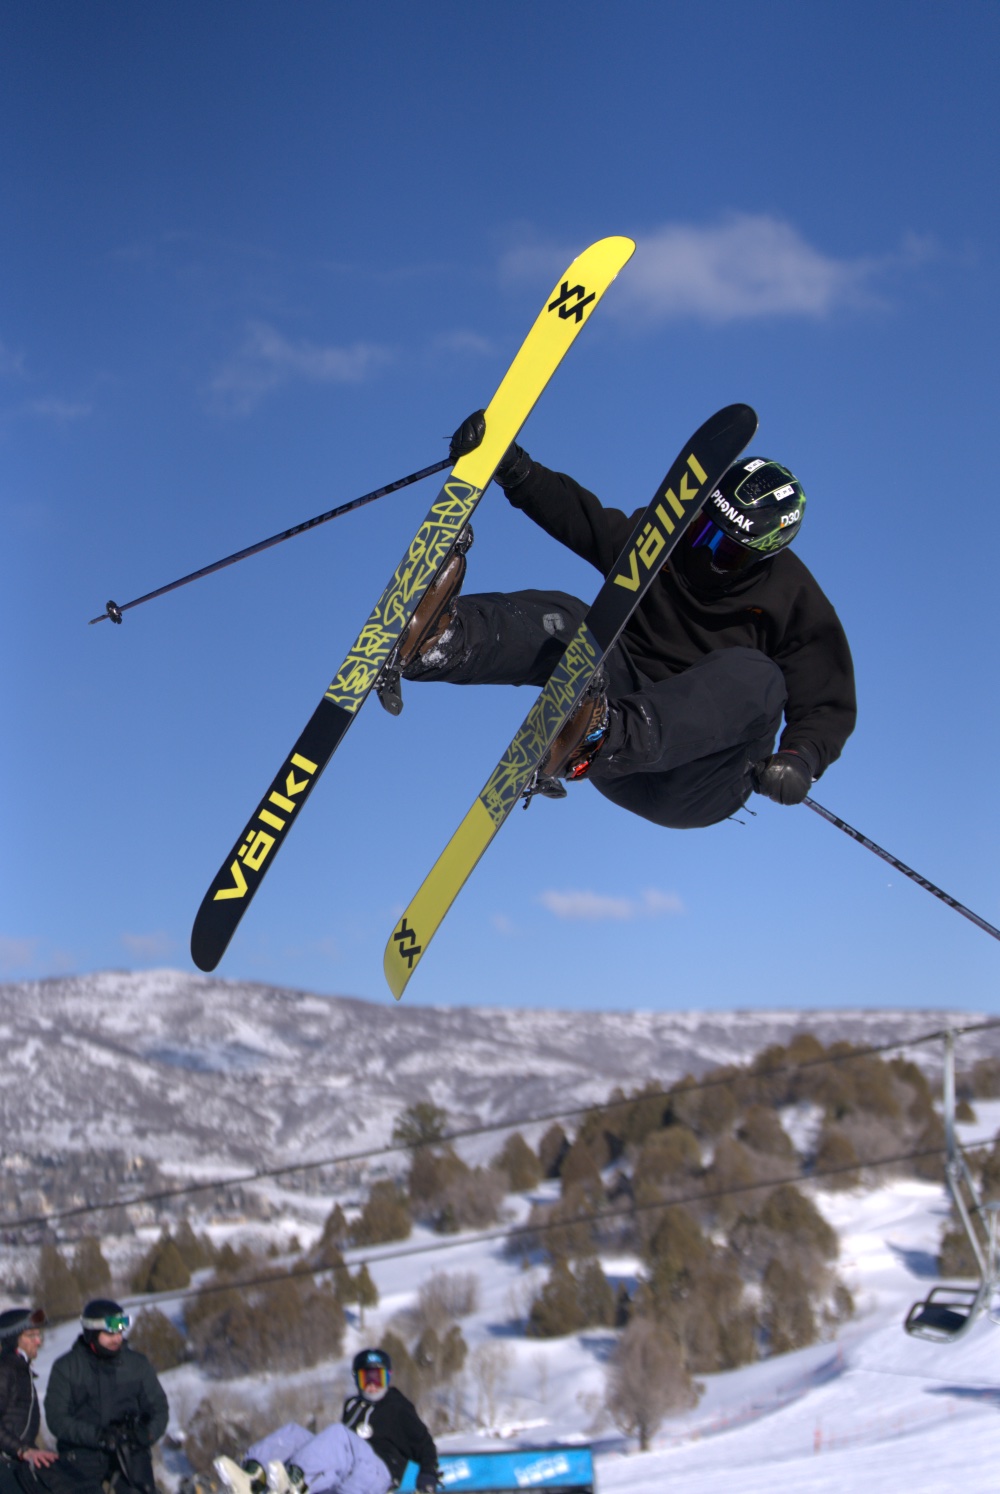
(555, 329)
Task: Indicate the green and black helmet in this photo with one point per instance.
(754, 512)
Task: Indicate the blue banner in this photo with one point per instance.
(524, 1468)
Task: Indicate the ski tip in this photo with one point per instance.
(610, 255)
(205, 952)
(402, 955)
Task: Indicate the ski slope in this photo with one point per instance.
(871, 1408)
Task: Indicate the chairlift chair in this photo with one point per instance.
(948, 1312)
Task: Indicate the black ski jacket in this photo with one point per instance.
(777, 607)
(88, 1393)
(20, 1414)
(394, 1431)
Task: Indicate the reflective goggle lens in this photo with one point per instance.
(375, 1375)
(727, 555)
(117, 1322)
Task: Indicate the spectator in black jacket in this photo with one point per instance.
(105, 1405)
(22, 1462)
(365, 1453)
(733, 637)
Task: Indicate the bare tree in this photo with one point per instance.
(489, 1365)
(646, 1380)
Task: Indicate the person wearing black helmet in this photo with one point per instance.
(366, 1452)
(735, 637)
(386, 1419)
(105, 1405)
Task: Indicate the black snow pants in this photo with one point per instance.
(680, 750)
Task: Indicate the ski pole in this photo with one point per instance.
(114, 611)
(901, 866)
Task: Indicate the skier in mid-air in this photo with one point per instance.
(680, 723)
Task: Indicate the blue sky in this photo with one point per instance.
(259, 259)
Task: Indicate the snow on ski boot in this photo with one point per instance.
(248, 1479)
(431, 618)
(577, 745)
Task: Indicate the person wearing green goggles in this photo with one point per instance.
(105, 1405)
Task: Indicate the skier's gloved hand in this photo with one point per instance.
(514, 465)
(787, 776)
(468, 436)
(513, 468)
(137, 1431)
(426, 1483)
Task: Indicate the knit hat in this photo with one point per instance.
(15, 1320)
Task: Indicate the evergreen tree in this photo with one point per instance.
(92, 1272)
(58, 1290)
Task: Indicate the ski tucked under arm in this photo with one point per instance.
(693, 476)
(556, 328)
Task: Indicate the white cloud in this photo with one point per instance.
(16, 954)
(747, 266)
(148, 946)
(267, 359)
(750, 265)
(61, 410)
(463, 341)
(596, 907)
(655, 903)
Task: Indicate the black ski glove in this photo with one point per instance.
(787, 776)
(468, 436)
(137, 1432)
(514, 465)
(426, 1483)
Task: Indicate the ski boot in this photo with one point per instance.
(285, 1478)
(578, 744)
(249, 1478)
(430, 621)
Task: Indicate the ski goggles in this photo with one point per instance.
(374, 1377)
(114, 1322)
(724, 554)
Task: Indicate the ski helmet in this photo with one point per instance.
(372, 1369)
(103, 1316)
(754, 512)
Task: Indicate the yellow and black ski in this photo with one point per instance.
(693, 476)
(558, 324)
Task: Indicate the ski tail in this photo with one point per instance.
(553, 333)
(678, 500)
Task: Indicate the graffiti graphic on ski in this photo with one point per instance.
(693, 476)
(556, 328)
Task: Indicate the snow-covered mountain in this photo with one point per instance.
(202, 1075)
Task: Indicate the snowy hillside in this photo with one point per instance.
(203, 1075)
(872, 1407)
